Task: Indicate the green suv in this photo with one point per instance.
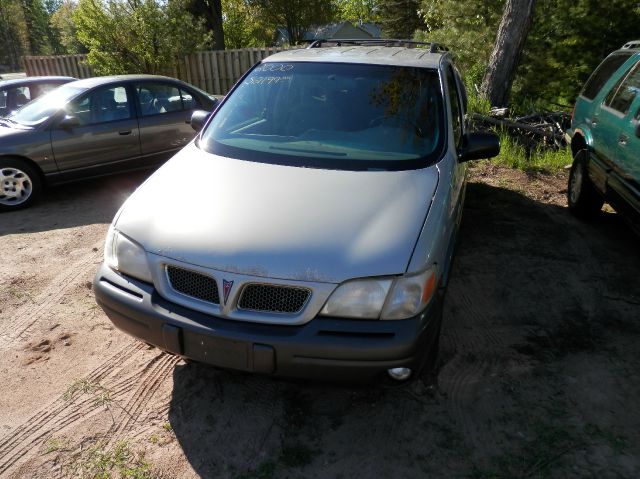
(605, 141)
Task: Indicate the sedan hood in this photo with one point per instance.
(280, 221)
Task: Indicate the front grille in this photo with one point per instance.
(191, 283)
(273, 299)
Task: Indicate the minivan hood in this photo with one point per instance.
(279, 221)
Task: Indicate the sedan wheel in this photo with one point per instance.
(19, 184)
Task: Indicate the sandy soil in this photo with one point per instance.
(539, 373)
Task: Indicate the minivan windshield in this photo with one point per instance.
(42, 108)
(333, 116)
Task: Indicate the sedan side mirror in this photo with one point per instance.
(69, 122)
(478, 146)
(199, 118)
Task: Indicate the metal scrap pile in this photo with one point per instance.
(540, 130)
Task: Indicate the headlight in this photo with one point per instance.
(383, 298)
(126, 256)
(410, 295)
(358, 299)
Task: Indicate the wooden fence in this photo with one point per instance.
(213, 71)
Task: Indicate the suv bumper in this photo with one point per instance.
(324, 348)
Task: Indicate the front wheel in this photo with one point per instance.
(583, 198)
(20, 184)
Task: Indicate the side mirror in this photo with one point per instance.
(478, 146)
(69, 122)
(199, 118)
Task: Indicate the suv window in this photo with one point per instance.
(600, 76)
(624, 91)
(456, 110)
(333, 116)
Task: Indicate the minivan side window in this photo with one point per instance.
(600, 76)
(625, 91)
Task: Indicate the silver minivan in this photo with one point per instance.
(309, 228)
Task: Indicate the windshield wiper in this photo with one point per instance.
(302, 150)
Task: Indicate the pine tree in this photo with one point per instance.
(399, 18)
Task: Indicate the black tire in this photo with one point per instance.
(20, 184)
(582, 196)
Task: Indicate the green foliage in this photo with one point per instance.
(468, 28)
(242, 25)
(358, 10)
(139, 36)
(62, 22)
(568, 40)
(12, 33)
(399, 18)
(296, 16)
(515, 155)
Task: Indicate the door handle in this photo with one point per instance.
(124, 132)
(622, 139)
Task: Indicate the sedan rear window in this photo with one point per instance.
(333, 116)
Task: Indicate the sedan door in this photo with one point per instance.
(165, 115)
(106, 138)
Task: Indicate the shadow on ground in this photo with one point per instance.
(75, 204)
(536, 299)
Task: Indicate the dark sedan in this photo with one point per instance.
(94, 127)
(18, 92)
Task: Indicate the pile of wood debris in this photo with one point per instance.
(539, 130)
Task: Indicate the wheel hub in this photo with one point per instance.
(15, 186)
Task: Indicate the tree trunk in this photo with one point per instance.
(211, 11)
(512, 34)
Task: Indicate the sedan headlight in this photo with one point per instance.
(383, 298)
(126, 256)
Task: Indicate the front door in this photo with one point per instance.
(107, 138)
(165, 115)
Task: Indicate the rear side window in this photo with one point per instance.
(599, 77)
(3, 99)
(158, 98)
(625, 91)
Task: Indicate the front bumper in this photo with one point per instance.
(323, 348)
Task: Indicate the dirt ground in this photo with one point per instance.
(539, 372)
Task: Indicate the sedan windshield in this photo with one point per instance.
(333, 116)
(42, 108)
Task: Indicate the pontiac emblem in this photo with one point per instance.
(226, 289)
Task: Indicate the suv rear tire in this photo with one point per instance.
(583, 198)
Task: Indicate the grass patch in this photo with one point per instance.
(516, 155)
(54, 444)
(121, 462)
(102, 395)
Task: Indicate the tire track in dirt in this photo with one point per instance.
(475, 342)
(16, 325)
(129, 392)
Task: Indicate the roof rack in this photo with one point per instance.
(631, 45)
(385, 42)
